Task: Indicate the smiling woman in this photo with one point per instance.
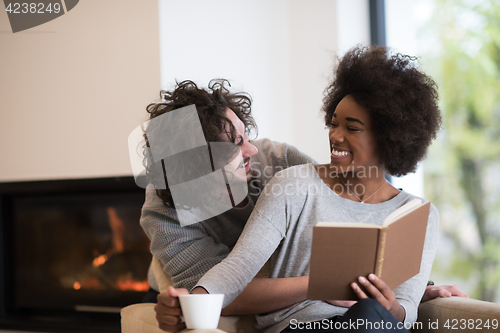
(351, 137)
(354, 158)
(382, 114)
(402, 103)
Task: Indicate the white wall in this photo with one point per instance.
(72, 89)
(353, 24)
(247, 42)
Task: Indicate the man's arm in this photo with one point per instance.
(186, 253)
(296, 157)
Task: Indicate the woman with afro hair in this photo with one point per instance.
(382, 115)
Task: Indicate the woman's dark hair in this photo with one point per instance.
(401, 100)
(211, 105)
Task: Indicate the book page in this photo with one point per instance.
(402, 211)
(347, 225)
(403, 247)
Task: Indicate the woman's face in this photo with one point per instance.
(352, 143)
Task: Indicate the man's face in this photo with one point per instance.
(247, 149)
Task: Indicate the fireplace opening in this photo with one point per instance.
(73, 251)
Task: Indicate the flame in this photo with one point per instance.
(133, 285)
(126, 283)
(118, 229)
(91, 283)
(99, 260)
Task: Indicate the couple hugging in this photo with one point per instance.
(382, 114)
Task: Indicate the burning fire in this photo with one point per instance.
(125, 282)
(99, 260)
(87, 283)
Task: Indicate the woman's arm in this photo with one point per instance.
(266, 295)
(254, 247)
(257, 243)
(267, 226)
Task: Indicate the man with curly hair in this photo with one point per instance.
(187, 253)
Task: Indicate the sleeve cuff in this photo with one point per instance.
(215, 288)
(410, 314)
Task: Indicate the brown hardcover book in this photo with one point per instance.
(341, 252)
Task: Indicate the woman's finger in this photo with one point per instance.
(382, 286)
(357, 290)
(374, 292)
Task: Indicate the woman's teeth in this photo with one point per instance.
(246, 164)
(340, 152)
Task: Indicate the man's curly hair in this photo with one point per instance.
(401, 100)
(211, 105)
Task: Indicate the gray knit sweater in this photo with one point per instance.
(189, 252)
(292, 203)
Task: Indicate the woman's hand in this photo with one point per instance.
(379, 291)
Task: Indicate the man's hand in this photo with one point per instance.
(344, 304)
(381, 292)
(168, 310)
(432, 292)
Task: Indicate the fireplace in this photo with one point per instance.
(72, 254)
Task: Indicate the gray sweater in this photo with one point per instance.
(189, 252)
(291, 204)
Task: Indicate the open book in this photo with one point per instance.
(341, 252)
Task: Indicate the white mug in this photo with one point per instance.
(201, 311)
